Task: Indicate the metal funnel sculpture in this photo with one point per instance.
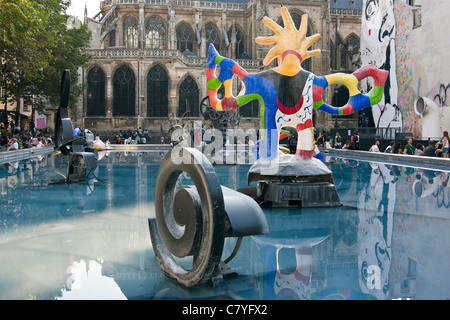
(77, 145)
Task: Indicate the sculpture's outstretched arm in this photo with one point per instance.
(357, 100)
(228, 68)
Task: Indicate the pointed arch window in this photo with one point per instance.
(96, 99)
(188, 100)
(212, 36)
(239, 45)
(155, 34)
(130, 33)
(157, 92)
(124, 92)
(349, 53)
(112, 38)
(185, 38)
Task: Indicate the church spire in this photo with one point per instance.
(85, 13)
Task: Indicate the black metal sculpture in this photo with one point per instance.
(194, 221)
(220, 120)
(79, 147)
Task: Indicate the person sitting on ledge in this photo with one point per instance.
(431, 150)
(390, 147)
(419, 150)
(375, 148)
(14, 145)
(397, 149)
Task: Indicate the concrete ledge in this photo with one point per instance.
(397, 159)
(142, 147)
(8, 156)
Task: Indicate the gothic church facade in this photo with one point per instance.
(149, 56)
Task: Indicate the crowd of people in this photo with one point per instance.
(324, 141)
(139, 136)
(14, 138)
(434, 148)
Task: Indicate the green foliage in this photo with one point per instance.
(36, 46)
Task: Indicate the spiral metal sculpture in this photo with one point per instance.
(194, 221)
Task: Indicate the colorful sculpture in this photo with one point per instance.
(287, 93)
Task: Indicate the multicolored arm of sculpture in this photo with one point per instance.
(228, 68)
(357, 100)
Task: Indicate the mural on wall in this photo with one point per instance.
(378, 48)
(412, 81)
(434, 112)
(405, 76)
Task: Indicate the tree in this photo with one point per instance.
(35, 47)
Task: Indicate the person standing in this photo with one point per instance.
(338, 141)
(445, 145)
(292, 144)
(409, 148)
(321, 139)
(355, 139)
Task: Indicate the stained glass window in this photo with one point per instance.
(240, 45)
(212, 36)
(124, 92)
(185, 38)
(349, 52)
(112, 38)
(130, 33)
(96, 101)
(155, 34)
(188, 100)
(157, 92)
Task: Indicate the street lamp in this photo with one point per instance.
(335, 104)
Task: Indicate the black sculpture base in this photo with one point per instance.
(291, 181)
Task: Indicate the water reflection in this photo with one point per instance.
(91, 240)
(87, 282)
(400, 211)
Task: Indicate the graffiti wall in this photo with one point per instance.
(405, 75)
(378, 32)
(421, 50)
(412, 48)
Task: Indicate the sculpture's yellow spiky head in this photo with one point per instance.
(288, 39)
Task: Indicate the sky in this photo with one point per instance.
(77, 8)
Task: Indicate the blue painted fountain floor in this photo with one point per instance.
(90, 240)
